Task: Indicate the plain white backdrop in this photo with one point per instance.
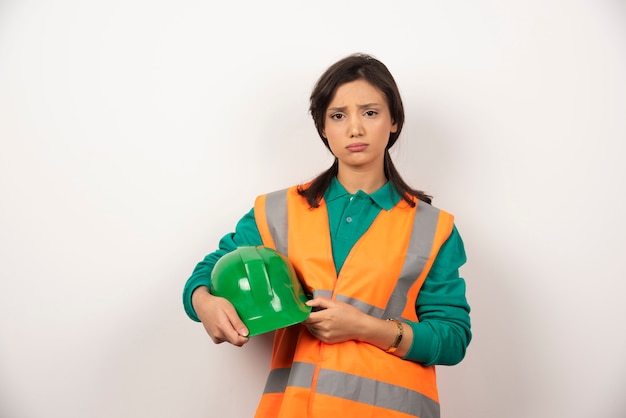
(135, 133)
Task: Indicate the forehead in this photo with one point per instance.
(357, 92)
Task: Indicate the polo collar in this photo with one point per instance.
(386, 197)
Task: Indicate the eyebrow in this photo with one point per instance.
(343, 108)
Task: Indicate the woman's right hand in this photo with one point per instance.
(219, 318)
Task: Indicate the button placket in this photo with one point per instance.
(346, 227)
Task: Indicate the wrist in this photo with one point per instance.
(398, 337)
(198, 294)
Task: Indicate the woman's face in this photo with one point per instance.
(357, 125)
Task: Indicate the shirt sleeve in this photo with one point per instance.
(444, 330)
(246, 233)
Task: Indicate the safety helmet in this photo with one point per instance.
(263, 287)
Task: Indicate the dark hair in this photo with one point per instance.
(351, 68)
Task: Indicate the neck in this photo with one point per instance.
(354, 180)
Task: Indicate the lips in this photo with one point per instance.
(356, 147)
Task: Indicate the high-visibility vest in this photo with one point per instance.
(381, 276)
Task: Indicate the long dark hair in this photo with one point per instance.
(351, 68)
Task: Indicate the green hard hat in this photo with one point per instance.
(263, 287)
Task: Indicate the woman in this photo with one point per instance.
(381, 262)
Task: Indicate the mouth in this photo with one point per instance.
(356, 147)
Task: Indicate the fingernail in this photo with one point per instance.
(244, 332)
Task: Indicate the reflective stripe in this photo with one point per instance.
(354, 388)
(357, 303)
(361, 306)
(373, 392)
(276, 213)
(324, 293)
(277, 381)
(418, 253)
(299, 375)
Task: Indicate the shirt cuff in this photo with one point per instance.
(425, 344)
(189, 288)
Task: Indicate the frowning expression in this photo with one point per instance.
(358, 124)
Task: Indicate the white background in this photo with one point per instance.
(135, 133)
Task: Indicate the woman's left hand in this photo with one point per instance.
(334, 322)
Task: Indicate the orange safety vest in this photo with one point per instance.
(382, 277)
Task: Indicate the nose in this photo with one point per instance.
(356, 128)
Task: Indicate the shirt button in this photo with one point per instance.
(348, 219)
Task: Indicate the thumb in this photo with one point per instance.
(237, 323)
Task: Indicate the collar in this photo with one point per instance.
(386, 197)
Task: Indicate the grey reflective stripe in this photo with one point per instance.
(418, 253)
(373, 392)
(324, 293)
(299, 375)
(276, 213)
(355, 388)
(361, 306)
(277, 381)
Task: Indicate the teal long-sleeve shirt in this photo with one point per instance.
(443, 332)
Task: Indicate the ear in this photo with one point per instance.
(394, 128)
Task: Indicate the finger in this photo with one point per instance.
(236, 323)
(320, 302)
(228, 333)
(222, 330)
(311, 320)
(241, 341)
(236, 340)
(311, 329)
(316, 318)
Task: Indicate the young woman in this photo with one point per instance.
(381, 262)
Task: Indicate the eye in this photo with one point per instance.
(337, 116)
(371, 113)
